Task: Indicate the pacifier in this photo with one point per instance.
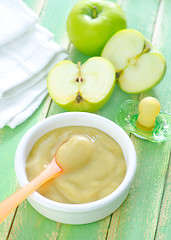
(144, 119)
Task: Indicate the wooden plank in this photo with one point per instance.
(29, 224)
(162, 39)
(163, 231)
(139, 214)
(9, 139)
(35, 5)
(92, 231)
(23, 216)
(79, 232)
(54, 16)
(40, 227)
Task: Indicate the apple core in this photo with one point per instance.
(85, 87)
(139, 66)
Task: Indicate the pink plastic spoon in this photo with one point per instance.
(9, 204)
(73, 146)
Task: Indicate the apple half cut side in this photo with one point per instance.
(85, 87)
(139, 66)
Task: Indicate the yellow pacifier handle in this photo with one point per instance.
(149, 108)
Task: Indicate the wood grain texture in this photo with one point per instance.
(137, 219)
(132, 215)
(124, 223)
(35, 5)
(9, 139)
(163, 231)
(139, 215)
(53, 17)
(29, 225)
(162, 39)
(92, 231)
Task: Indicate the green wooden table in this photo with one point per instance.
(146, 213)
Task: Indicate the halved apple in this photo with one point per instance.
(86, 87)
(139, 66)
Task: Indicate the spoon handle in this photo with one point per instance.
(9, 204)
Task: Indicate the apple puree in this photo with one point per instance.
(93, 164)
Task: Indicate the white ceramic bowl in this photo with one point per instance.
(77, 213)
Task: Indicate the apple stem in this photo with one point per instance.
(94, 11)
(147, 49)
(118, 75)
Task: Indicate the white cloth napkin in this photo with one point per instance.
(27, 112)
(25, 60)
(15, 19)
(27, 55)
(27, 83)
(18, 103)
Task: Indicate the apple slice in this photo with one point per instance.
(138, 65)
(77, 87)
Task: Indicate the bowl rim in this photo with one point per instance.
(83, 207)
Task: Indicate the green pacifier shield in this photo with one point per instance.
(127, 115)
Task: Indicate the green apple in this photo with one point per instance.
(139, 66)
(85, 87)
(92, 22)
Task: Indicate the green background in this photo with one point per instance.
(146, 212)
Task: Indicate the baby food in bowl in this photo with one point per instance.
(96, 129)
(93, 164)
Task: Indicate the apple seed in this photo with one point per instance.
(79, 79)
